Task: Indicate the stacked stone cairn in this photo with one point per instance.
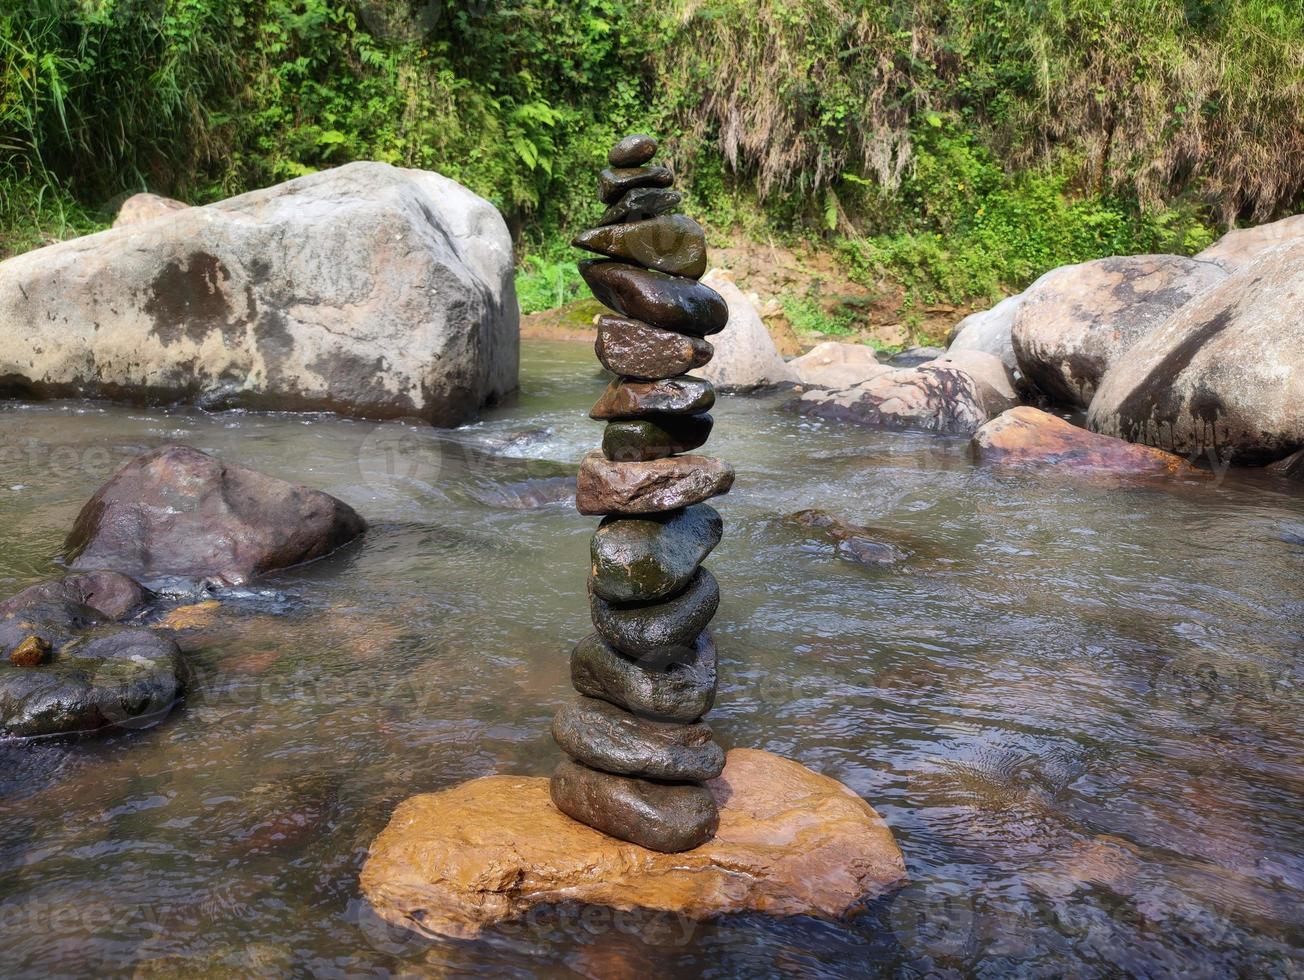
(639, 751)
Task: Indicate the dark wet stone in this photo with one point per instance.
(648, 559)
(30, 653)
(666, 817)
(127, 679)
(626, 399)
(641, 204)
(673, 244)
(655, 437)
(915, 356)
(111, 594)
(633, 349)
(668, 302)
(55, 622)
(657, 485)
(657, 633)
(633, 151)
(614, 182)
(179, 512)
(680, 689)
(859, 544)
(603, 736)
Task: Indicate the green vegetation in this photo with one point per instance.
(958, 147)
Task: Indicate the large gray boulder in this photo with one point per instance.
(833, 364)
(1078, 320)
(745, 355)
(989, 331)
(934, 397)
(1222, 377)
(1240, 247)
(366, 290)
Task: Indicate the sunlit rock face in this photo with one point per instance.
(366, 290)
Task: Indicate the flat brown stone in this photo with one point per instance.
(633, 349)
(674, 244)
(604, 487)
(1027, 436)
(625, 399)
(790, 842)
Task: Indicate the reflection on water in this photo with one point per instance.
(1078, 706)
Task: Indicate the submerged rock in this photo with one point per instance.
(179, 512)
(1224, 376)
(364, 289)
(745, 355)
(859, 544)
(128, 679)
(1027, 436)
(789, 842)
(1077, 321)
(30, 653)
(680, 689)
(53, 622)
(603, 736)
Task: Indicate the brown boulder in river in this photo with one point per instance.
(178, 512)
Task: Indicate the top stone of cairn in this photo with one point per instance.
(632, 151)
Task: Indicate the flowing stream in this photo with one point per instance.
(1077, 703)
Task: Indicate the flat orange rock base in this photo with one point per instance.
(791, 842)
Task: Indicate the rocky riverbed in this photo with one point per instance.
(1075, 702)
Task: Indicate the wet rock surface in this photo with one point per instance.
(789, 842)
(625, 400)
(633, 151)
(603, 736)
(111, 594)
(641, 204)
(661, 816)
(179, 512)
(655, 437)
(649, 559)
(656, 633)
(670, 302)
(615, 182)
(604, 487)
(634, 349)
(123, 679)
(1029, 437)
(680, 687)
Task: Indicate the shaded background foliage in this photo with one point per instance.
(959, 147)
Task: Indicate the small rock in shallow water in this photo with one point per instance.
(855, 543)
(658, 633)
(641, 204)
(666, 817)
(668, 302)
(614, 182)
(633, 349)
(633, 151)
(30, 653)
(55, 622)
(673, 244)
(681, 689)
(111, 594)
(650, 558)
(604, 487)
(656, 437)
(603, 736)
(624, 399)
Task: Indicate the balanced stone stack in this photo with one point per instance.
(639, 752)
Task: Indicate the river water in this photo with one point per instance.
(1077, 704)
